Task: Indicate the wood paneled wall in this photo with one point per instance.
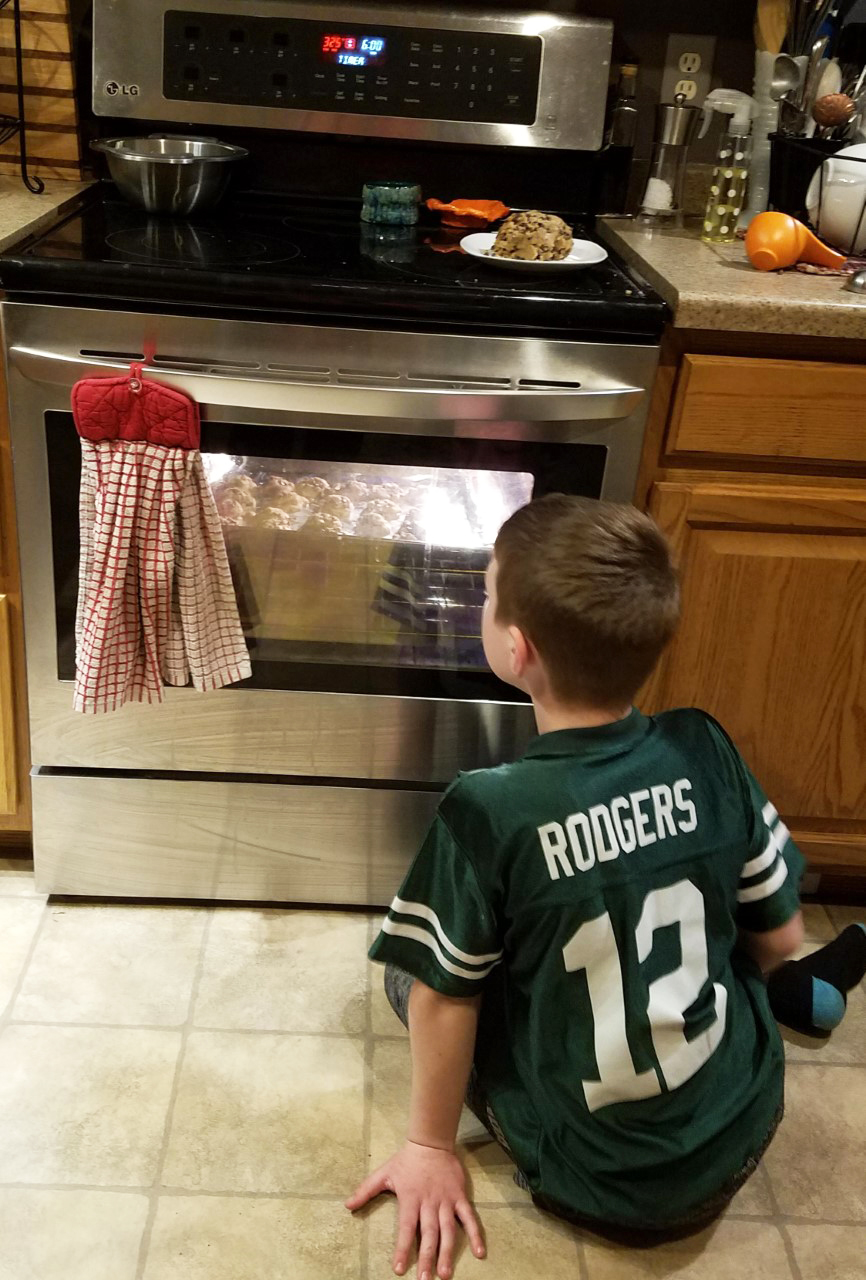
(52, 122)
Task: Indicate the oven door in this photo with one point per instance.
(361, 477)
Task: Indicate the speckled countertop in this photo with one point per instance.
(715, 287)
(22, 213)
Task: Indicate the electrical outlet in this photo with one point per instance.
(688, 88)
(688, 67)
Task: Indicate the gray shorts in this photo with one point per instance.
(398, 986)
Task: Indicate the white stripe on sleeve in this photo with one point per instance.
(399, 930)
(404, 908)
(767, 887)
(775, 844)
(770, 813)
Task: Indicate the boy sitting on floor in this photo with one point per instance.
(582, 938)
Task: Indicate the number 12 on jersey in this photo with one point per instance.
(593, 948)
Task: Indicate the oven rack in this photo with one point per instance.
(17, 124)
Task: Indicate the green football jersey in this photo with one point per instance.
(592, 891)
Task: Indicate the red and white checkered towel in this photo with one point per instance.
(156, 603)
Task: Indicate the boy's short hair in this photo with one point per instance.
(592, 585)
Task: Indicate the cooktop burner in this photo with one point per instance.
(294, 256)
(184, 245)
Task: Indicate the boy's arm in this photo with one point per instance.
(769, 950)
(442, 1032)
(425, 1174)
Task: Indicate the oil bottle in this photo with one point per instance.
(731, 172)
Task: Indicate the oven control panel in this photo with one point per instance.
(501, 77)
(354, 68)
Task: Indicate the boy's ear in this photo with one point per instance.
(521, 652)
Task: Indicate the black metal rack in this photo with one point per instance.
(10, 125)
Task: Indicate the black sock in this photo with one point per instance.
(809, 994)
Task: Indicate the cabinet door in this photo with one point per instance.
(773, 642)
(8, 761)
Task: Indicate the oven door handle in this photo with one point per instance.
(432, 404)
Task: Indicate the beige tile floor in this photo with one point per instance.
(189, 1094)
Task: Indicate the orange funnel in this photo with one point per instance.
(776, 240)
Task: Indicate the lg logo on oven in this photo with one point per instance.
(125, 90)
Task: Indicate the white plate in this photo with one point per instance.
(584, 253)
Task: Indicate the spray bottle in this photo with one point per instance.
(731, 172)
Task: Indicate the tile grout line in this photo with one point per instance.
(186, 1030)
(778, 1222)
(582, 1263)
(176, 1026)
(6, 1018)
(794, 1265)
(279, 1197)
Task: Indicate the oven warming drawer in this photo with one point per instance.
(140, 837)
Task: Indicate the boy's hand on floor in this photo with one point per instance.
(430, 1186)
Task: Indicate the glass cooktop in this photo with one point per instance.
(299, 257)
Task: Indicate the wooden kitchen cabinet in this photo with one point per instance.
(8, 751)
(14, 742)
(771, 545)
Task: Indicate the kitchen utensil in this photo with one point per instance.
(776, 240)
(810, 81)
(167, 174)
(676, 125)
(786, 77)
(856, 283)
(830, 79)
(771, 23)
(583, 253)
(836, 199)
(833, 112)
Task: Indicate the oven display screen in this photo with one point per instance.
(354, 51)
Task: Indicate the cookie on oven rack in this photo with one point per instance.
(322, 523)
(312, 487)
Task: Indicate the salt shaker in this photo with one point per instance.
(676, 124)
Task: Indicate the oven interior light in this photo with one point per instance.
(217, 465)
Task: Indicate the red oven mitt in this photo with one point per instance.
(128, 408)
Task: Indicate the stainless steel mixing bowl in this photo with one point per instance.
(168, 174)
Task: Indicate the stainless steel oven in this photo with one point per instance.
(313, 780)
(374, 403)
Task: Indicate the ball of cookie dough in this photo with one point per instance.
(291, 502)
(240, 496)
(387, 490)
(321, 522)
(273, 518)
(372, 525)
(389, 511)
(231, 510)
(237, 480)
(411, 530)
(312, 487)
(355, 490)
(533, 237)
(335, 504)
(274, 488)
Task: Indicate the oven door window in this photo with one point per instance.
(358, 559)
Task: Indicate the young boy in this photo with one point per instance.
(582, 936)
